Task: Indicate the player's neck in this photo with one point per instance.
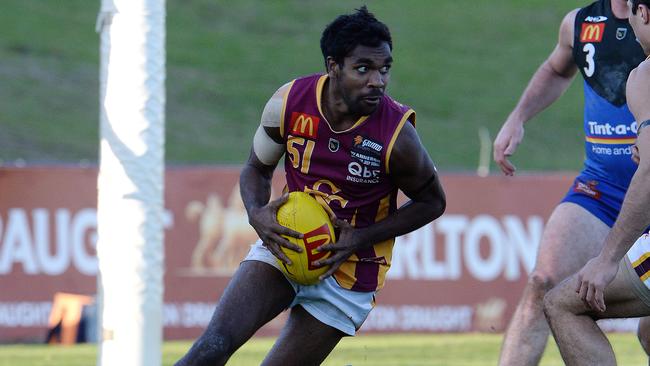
(335, 110)
(619, 8)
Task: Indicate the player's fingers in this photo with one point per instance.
(497, 151)
(511, 148)
(277, 252)
(336, 257)
(591, 297)
(506, 167)
(330, 271)
(635, 154)
(600, 300)
(283, 230)
(282, 241)
(583, 291)
(326, 248)
(578, 283)
(280, 201)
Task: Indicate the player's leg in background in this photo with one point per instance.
(571, 237)
(257, 293)
(580, 339)
(304, 341)
(644, 335)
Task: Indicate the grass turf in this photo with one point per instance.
(364, 350)
(460, 69)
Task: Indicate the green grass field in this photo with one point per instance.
(461, 69)
(364, 350)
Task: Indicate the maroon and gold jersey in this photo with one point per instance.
(347, 171)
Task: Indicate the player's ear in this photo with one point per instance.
(645, 16)
(332, 66)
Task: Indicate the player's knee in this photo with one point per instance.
(212, 348)
(643, 332)
(552, 304)
(540, 283)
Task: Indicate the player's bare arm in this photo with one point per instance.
(634, 215)
(256, 176)
(414, 174)
(548, 83)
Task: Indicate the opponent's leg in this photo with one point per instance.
(304, 341)
(574, 327)
(256, 294)
(571, 237)
(644, 335)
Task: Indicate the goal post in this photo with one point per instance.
(130, 183)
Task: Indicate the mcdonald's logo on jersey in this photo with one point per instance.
(592, 32)
(305, 125)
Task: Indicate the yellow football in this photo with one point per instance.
(303, 214)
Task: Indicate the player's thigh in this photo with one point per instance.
(304, 341)
(620, 298)
(257, 293)
(571, 237)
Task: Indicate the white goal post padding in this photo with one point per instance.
(130, 183)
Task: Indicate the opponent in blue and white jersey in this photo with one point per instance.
(605, 51)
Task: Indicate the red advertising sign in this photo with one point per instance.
(463, 272)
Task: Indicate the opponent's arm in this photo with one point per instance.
(256, 176)
(635, 211)
(548, 83)
(413, 172)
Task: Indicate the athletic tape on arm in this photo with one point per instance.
(268, 151)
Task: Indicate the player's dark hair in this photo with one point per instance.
(348, 31)
(636, 3)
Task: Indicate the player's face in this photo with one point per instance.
(363, 77)
(636, 21)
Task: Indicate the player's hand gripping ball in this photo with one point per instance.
(303, 214)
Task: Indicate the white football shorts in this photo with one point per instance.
(326, 301)
(637, 267)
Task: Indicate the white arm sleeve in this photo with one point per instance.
(268, 151)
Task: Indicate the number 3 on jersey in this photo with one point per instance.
(294, 154)
(590, 51)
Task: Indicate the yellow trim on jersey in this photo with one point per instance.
(382, 210)
(637, 262)
(614, 141)
(319, 94)
(645, 276)
(284, 107)
(384, 249)
(344, 275)
(389, 150)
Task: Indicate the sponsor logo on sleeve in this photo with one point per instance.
(589, 188)
(592, 32)
(305, 125)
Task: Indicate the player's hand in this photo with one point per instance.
(345, 246)
(635, 154)
(506, 143)
(264, 221)
(592, 280)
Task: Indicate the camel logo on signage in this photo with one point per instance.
(592, 32)
(305, 125)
